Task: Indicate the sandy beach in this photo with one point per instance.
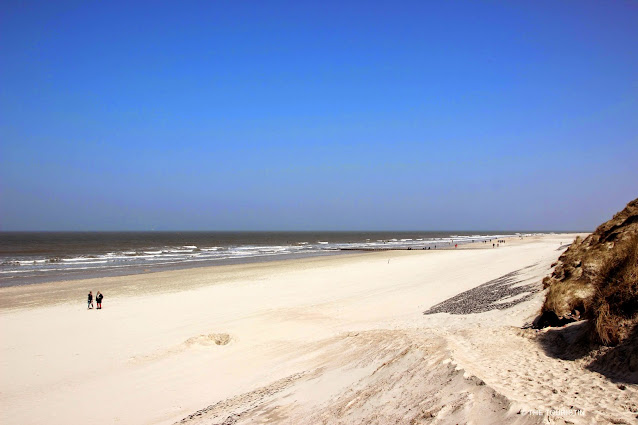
(340, 339)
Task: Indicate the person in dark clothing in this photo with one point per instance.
(98, 299)
(90, 300)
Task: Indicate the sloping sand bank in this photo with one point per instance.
(324, 340)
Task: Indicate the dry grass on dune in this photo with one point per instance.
(614, 307)
(593, 269)
(570, 283)
(597, 279)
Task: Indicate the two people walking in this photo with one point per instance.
(98, 300)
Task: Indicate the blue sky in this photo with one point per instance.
(229, 115)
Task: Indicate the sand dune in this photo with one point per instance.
(325, 340)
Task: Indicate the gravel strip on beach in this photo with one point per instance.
(489, 296)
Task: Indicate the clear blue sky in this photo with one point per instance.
(232, 115)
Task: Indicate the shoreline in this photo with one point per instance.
(59, 291)
(153, 268)
(102, 254)
(123, 271)
(153, 281)
(322, 339)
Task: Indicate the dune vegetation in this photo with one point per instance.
(597, 279)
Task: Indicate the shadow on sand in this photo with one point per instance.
(572, 342)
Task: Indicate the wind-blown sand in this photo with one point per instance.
(324, 340)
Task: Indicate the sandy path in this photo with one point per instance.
(335, 340)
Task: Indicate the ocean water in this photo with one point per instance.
(33, 257)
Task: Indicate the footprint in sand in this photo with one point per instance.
(206, 340)
(210, 339)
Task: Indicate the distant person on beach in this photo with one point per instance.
(90, 300)
(98, 299)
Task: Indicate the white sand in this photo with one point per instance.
(323, 340)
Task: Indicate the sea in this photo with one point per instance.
(37, 257)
